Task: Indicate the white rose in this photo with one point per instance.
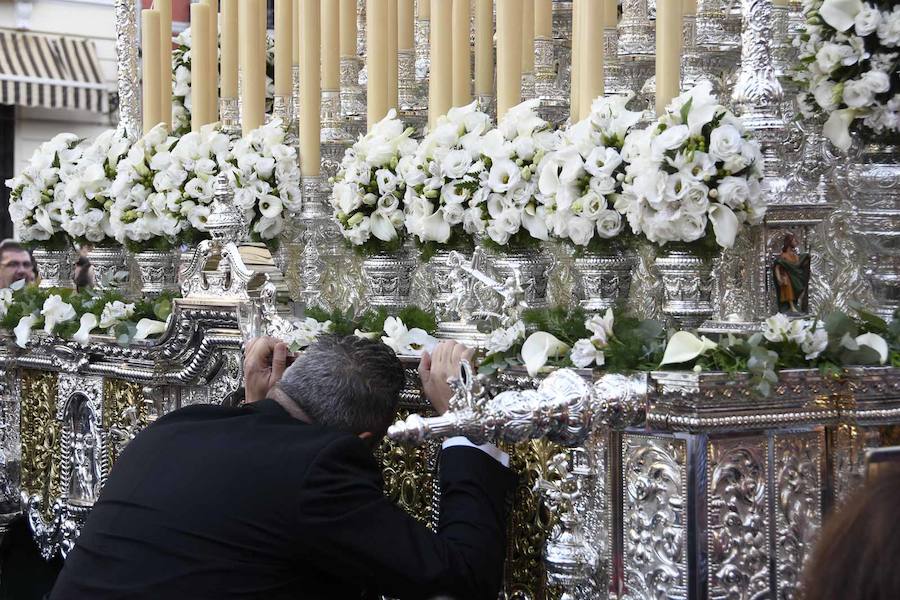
(691, 227)
(724, 142)
(602, 161)
(889, 28)
(858, 93)
(609, 224)
(456, 164)
(867, 20)
(592, 205)
(734, 191)
(524, 147)
(670, 139)
(387, 181)
(584, 354)
(696, 199)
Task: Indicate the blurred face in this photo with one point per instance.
(15, 265)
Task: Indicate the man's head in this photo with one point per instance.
(15, 264)
(347, 383)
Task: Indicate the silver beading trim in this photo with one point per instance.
(54, 267)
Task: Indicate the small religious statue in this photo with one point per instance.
(791, 272)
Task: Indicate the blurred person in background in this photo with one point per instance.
(15, 264)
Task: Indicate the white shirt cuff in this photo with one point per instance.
(491, 450)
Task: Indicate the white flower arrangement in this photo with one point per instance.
(181, 80)
(265, 175)
(164, 187)
(581, 180)
(369, 190)
(512, 153)
(442, 179)
(404, 341)
(88, 189)
(850, 56)
(692, 173)
(590, 351)
(305, 333)
(38, 205)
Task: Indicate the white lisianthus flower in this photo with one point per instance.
(776, 327)
(601, 328)
(305, 332)
(502, 339)
(56, 311)
(815, 343)
(114, 313)
(404, 341)
(867, 20)
(585, 354)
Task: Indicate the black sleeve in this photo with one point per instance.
(360, 534)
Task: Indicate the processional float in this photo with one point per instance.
(654, 484)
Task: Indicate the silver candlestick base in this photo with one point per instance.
(409, 87)
(423, 51)
(353, 96)
(554, 107)
(417, 118)
(229, 109)
(528, 86)
(283, 109)
(637, 33)
(320, 240)
(614, 81)
(333, 125)
(487, 104)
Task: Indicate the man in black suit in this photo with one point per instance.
(282, 497)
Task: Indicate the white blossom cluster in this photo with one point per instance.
(507, 195)
(38, 205)
(369, 190)
(88, 188)
(850, 55)
(181, 80)
(581, 180)
(809, 334)
(164, 186)
(443, 178)
(589, 352)
(265, 176)
(693, 170)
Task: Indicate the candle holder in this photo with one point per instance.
(333, 125)
(353, 96)
(562, 35)
(407, 82)
(712, 28)
(613, 79)
(422, 51)
(554, 107)
(487, 104)
(283, 109)
(710, 53)
(320, 241)
(636, 70)
(637, 33)
(128, 79)
(230, 114)
(528, 86)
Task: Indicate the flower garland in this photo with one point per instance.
(369, 190)
(850, 57)
(442, 180)
(181, 81)
(88, 189)
(265, 175)
(693, 174)
(38, 205)
(75, 316)
(508, 184)
(581, 180)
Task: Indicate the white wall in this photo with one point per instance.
(94, 19)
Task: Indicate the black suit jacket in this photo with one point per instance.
(248, 502)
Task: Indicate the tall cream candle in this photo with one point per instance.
(462, 53)
(528, 36)
(200, 66)
(690, 6)
(252, 28)
(310, 87)
(424, 9)
(376, 60)
(295, 32)
(229, 48)
(575, 71)
(348, 28)
(165, 56)
(213, 72)
(775, 2)
(331, 45)
(484, 48)
(509, 55)
(152, 73)
(406, 19)
(284, 46)
(611, 13)
(441, 81)
(543, 19)
(591, 81)
(393, 62)
(668, 53)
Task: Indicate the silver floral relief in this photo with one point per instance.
(848, 446)
(645, 294)
(227, 380)
(654, 518)
(798, 506)
(738, 518)
(84, 463)
(10, 445)
(127, 68)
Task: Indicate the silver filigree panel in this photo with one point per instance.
(654, 517)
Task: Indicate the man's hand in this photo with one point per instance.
(265, 360)
(436, 368)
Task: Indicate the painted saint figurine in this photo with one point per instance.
(791, 272)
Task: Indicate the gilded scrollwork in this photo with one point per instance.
(798, 506)
(410, 476)
(125, 413)
(738, 518)
(40, 435)
(654, 519)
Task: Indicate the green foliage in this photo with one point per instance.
(566, 324)
(371, 321)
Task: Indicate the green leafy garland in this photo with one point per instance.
(351, 320)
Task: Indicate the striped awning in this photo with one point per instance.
(51, 72)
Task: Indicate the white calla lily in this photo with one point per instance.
(148, 327)
(837, 128)
(725, 224)
(538, 348)
(88, 324)
(840, 14)
(435, 228)
(23, 330)
(876, 343)
(56, 311)
(382, 228)
(684, 347)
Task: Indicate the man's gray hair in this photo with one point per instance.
(347, 383)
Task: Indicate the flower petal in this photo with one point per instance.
(148, 327)
(23, 330)
(539, 347)
(88, 323)
(876, 343)
(837, 128)
(725, 224)
(684, 347)
(840, 14)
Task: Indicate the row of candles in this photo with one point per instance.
(315, 34)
